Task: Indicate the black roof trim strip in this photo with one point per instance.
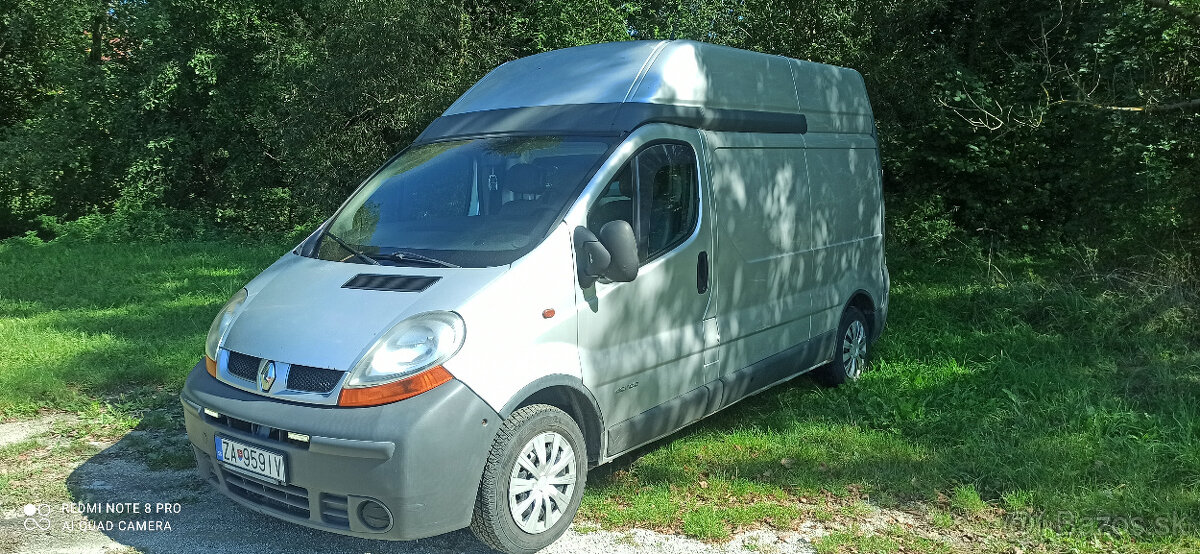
(609, 119)
(633, 115)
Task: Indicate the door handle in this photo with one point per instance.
(702, 272)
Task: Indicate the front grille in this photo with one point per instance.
(260, 432)
(288, 499)
(313, 379)
(243, 366)
(334, 510)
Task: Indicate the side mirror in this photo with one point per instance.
(617, 238)
(591, 256)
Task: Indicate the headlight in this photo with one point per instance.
(222, 322)
(414, 345)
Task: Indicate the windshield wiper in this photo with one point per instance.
(402, 256)
(397, 256)
(357, 253)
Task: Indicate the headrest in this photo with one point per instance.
(525, 179)
(667, 181)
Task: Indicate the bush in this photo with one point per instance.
(924, 224)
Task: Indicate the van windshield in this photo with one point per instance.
(470, 203)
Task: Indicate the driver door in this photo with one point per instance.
(642, 343)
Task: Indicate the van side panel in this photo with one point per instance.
(762, 220)
(846, 238)
(834, 98)
(712, 76)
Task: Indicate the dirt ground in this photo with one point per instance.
(116, 503)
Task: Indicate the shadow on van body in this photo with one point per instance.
(796, 226)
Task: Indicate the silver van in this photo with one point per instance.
(589, 250)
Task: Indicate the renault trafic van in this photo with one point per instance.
(589, 250)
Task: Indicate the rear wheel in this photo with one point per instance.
(852, 353)
(533, 481)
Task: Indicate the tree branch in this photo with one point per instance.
(1188, 15)
(1185, 105)
(316, 30)
(96, 54)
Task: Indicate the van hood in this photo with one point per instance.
(299, 310)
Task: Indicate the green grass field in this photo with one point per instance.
(1021, 397)
(1029, 399)
(80, 323)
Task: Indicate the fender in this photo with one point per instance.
(545, 382)
(875, 317)
(593, 428)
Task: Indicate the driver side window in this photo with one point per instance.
(657, 192)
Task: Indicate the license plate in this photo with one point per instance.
(251, 459)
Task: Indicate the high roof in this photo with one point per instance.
(682, 75)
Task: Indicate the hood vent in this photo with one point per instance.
(398, 283)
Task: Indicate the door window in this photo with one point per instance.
(657, 192)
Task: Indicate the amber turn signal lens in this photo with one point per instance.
(407, 387)
(211, 365)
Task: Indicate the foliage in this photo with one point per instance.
(995, 116)
(261, 116)
(925, 224)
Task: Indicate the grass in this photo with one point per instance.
(1033, 399)
(967, 500)
(1004, 393)
(856, 540)
(79, 323)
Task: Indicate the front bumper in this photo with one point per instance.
(422, 457)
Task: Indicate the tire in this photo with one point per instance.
(529, 521)
(851, 352)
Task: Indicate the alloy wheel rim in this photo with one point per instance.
(542, 482)
(854, 349)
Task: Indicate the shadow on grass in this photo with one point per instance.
(1058, 404)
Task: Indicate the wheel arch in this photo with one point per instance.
(865, 302)
(568, 394)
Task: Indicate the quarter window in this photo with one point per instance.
(657, 193)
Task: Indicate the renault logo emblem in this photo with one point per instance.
(266, 375)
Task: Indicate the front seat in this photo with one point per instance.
(667, 212)
(614, 208)
(524, 180)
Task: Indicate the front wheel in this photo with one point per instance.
(533, 481)
(852, 353)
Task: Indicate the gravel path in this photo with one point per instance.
(17, 431)
(195, 518)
